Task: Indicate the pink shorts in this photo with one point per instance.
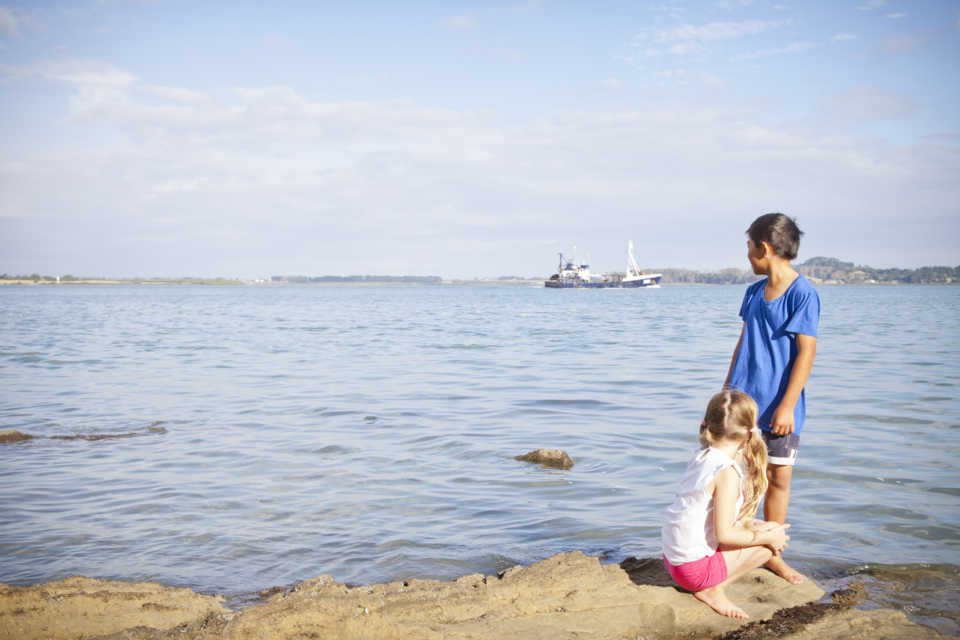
(700, 574)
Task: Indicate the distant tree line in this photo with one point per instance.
(833, 269)
(821, 269)
(686, 276)
(364, 279)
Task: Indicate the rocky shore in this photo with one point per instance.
(569, 595)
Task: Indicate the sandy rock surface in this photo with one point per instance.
(566, 596)
(81, 607)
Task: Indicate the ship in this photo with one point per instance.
(571, 274)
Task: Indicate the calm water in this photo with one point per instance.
(366, 432)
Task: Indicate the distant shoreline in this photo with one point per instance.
(444, 283)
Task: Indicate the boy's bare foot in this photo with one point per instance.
(717, 600)
(785, 571)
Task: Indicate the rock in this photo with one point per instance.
(12, 435)
(567, 595)
(81, 607)
(876, 624)
(553, 458)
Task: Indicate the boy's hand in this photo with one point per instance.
(781, 423)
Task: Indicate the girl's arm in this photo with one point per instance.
(726, 383)
(726, 489)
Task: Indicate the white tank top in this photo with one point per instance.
(688, 534)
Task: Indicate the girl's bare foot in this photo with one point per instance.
(782, 569)
(717, 600)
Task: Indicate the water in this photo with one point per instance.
(366, 432)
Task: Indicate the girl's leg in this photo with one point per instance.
(739, 563)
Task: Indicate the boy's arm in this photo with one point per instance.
(726, 383)
(781, 423)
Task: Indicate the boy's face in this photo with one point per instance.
(757, 257)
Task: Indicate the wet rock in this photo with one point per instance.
(833, 621)
(12, 435)
(851, 595)
(113, 436)
(553, 458)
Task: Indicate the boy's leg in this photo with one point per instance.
(775, 509)
(739, 563)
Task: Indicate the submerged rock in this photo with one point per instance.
(548, 457)
(12, 435)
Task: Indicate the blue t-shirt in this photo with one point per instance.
(769, 348)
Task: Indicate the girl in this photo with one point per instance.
(706, 544)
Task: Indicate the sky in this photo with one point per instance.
(463, 139)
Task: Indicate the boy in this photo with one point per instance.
(773, 358)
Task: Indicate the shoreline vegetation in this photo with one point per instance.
(819, 270)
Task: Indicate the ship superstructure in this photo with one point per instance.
(573, 274)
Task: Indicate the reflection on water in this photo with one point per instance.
(368, 432)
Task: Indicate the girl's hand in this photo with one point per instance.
(777, 538)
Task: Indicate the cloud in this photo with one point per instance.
(713, 31)
(895, 45)
(529, 7)
(796, 47)
(686, 39)
(867, 103)
(896, 15)
(459, 22)
(264, 180)
(362, 79)
(610, 85)
(843, 36)
(8, 22)
(873, 4)
(711, 81)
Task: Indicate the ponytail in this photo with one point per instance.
(732, 416)
(755, 470)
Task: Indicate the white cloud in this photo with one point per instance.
(873, 4)
(894, 45)
(8, 22)
(610, 85)
(527, 8)
(867, 103)
(173, 93)
(711, 32)
(796, 47)
(459, 22)
(896, 15)
(362, 79)
(844, 36)
(268, 180)
(711, 81)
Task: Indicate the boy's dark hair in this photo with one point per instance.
(779, 231)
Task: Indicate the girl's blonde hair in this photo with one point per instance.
(731, 415)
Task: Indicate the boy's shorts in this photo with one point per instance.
(781, 449)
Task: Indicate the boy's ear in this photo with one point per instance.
(767, 249)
